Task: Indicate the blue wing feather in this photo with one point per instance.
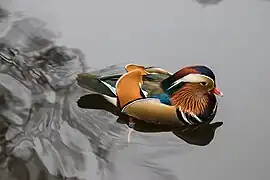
(164, 98)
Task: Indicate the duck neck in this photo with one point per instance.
(191, 100)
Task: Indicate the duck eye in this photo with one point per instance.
(203, 83)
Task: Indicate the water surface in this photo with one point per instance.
(45, 136)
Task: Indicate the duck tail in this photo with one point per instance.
(95, 84)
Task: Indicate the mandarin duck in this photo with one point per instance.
(155, 95)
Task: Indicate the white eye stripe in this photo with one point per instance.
(196, 78)
(176, 83)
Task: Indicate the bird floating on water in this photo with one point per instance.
(155, 95)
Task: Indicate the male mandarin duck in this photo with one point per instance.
(156, 95)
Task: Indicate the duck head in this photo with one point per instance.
(193, 89)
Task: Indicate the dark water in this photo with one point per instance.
(44, 135)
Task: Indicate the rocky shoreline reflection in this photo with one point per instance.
(43, 134)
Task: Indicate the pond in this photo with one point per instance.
(45, 44)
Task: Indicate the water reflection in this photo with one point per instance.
(3, 13)
(208, 2)
(36, 80)
(43, 134)
(196, 134)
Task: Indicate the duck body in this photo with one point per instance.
(156, 95)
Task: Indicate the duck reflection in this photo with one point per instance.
(196, 134)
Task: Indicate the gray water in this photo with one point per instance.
(44, 135)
